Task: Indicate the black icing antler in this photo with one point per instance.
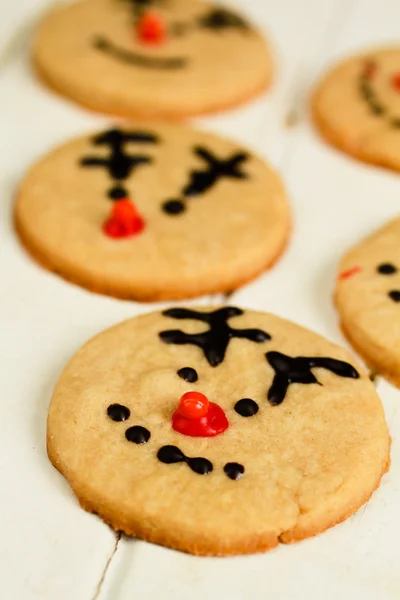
(290, 370)
(120, 164)
(213, 342)
(215, 169)
(220, 18)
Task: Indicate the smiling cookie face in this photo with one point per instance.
(368, 299)
(357, 107)
(130, 57)
(217, 431)
(153, 211)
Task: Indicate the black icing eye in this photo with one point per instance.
(118, 412)
(386, 269)
(394, 295)
(137, 434)
(188, 374)
(246, 407)
(173, 207)
(220, 18)
(234, 470)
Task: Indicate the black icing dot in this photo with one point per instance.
(188, 374)
(173, 207)
(386, 269)
(117, 192)
(137, 434)
(246, 407)
(234, 470)
(395, 295)
(117, 412)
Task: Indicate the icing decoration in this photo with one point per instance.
(124, 221)
(173, 207)
(197, 417)
(246, 407)
(214, 170)
(396, 82)
(172, 454)
(368, 71)
(394, 295)
(151, 28)
(290, 370)
(136, 59)
(220, 18)
(349, 273)
(215, 341)
(234, 470)
(119, 164)
(188, 374)
(118, 412)
(387, 269)
(137, 434)
(201, 180)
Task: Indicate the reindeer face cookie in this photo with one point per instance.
(217, 431)
(153, 211)
(357, 107)
(368, 299)
(163, 58)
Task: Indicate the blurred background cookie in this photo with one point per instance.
(153, 212)
(357, 107)
(167, 58)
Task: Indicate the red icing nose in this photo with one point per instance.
(396, 81)
(196, 416)
(349, 273)
(151, 28)
(124, 220)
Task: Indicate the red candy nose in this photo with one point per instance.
(193, 405)
(196, 416)
(396, 82)
(124, 220)
(151, 28)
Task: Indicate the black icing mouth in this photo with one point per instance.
(370, 96)
(140, 60)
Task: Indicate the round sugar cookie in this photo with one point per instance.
(217, 430)
(368, 296)
(153, 212)
(357, 107)
(169, 58)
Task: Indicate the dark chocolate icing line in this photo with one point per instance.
(138, 60)
(172, 454)
(215, 341)
(290, 370)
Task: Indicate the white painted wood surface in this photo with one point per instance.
(50, 549)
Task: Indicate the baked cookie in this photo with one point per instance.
(367, 298)
(169, 58)
(153, 212)
(357, 107)
(217, 430)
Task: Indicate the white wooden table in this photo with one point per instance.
(50, 549)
